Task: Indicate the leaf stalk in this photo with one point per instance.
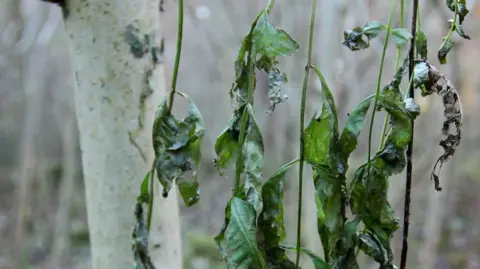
(379, 81)
(302, 129)
(177, 56)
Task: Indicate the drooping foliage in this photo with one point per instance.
(241, 144)
(254, 231)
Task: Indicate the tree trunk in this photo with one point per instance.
(110, 82)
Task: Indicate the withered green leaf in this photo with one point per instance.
(421, 44)
(177, 144)
(444, 50)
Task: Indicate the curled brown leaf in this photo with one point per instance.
(430, 80)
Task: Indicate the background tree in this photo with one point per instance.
(111, 80)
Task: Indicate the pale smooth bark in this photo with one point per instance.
(110, 81)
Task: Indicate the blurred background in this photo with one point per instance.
(41, 185)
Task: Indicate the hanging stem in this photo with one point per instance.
(379, 80)
(397, 63)
(151, 181)
(452, 27)
(302, 128)
(244, 120)
(270, 5)
(177, 56)
(406, 212)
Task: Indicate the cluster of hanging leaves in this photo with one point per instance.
(177, 152)
(177, 149)
(460, 11)
(430, 80)
(367, 191)
(359, 37)
(369, 186)
(254, 226)
(327, 151)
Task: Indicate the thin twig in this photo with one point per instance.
(379, 80)
(252, 55)
(383, 136)
(151, 194)
(302, 128)
(408, 183)
(177, 56)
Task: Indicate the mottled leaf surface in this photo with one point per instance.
(359, 37)
(253, 160)
(444, 50)
(421, 44)
(227, 141)
(241, 248)
(271, 41)
(369, 187)
(177, 145)
(355, 123)
(271, 220)
(401, 36)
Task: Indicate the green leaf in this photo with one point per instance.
(318, 139)
(240, 86)
(401, 36)
(270, 221)
(318, 263)
(460, 31)
(369, 200)
(328, 100)
(462, 8)
(271, 41)
(444, 50)
(190, 192)
(355, 123)
(241, 246)
(349, 260)
(373, 28)
(253, 152)
(144, 194)
(328, 187)
(220, 237)
(359, 37)
(400, 133)
(355, 40)
(421, 44)
(176, 144)
(371, 245)
(227, 142)
(321, 135)
(349, 234)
